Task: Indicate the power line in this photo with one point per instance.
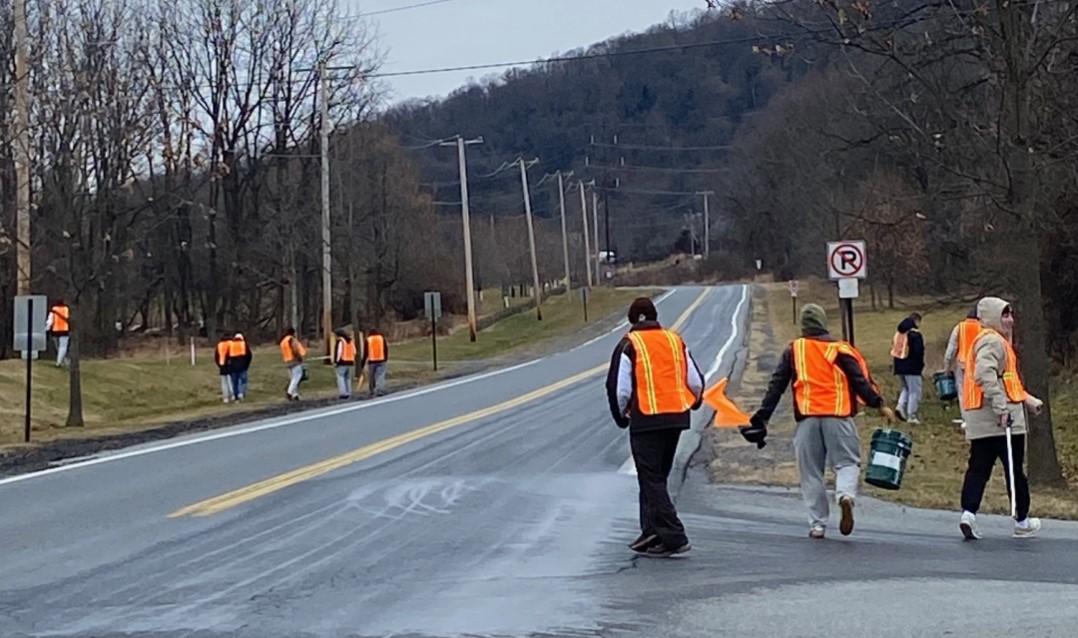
(659, 169)
(647, 147)
(632, 191)
(406, 7)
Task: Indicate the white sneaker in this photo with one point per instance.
(968, 525)
(914, 421)
(1031, 528)
(817, 532)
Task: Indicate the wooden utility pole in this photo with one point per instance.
(327, 240)
(564, 231)
(531, 237)
(595, 233)
(22, 149)
(707, 223)
(469, 279)
(587, 241)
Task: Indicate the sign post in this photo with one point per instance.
(794, 287)
(847, 263)
(29, 338)
(432, 306)
(584, 295)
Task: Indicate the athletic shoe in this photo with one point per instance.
(643, 542)
(662, 551)
(845, 526)
(1033, 526)
(913, 421)
(900, 414)
(817, 532)
(968, 525)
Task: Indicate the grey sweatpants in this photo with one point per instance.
(344, 381)
(909, 400)
(820, 441)
(376, 373)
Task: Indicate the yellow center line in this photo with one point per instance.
(277, 483)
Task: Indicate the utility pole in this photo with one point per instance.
(469, 280)
(531, 236)
(707, 223)
(564, 232)
(587, 242)
(327, 240)
(595, 232)
(22, 149)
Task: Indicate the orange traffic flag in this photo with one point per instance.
(727, 415)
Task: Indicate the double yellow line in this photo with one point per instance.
(273, 484)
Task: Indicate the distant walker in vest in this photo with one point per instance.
(993, 396)
(239, 360)
(224, 367)
(376, 358)
(908, 356)
(58, 325)
(292, 354)
(344, 361)
(958, 347)
(829, 378)
(652, 385)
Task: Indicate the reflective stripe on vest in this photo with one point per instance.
(376, 348)
(967, 333)
(820, 386)
(661, 372)
(347, 352)
(237, 348)
(973, 393)
(221, 355)
(61, 316)
(900, 345)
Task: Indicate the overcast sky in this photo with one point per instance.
(465, 32)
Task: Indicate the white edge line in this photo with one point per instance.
(271, 425)
(733, 334)
(623, 325)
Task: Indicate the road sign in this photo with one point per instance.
(848, 288)
(432, 305)
(794, 286)
(34, 341)
(847, 259)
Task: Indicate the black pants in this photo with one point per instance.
(653, 453)
(983, 454)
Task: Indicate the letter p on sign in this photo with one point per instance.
(847, 260)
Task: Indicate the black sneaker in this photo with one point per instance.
(641, 544)
(662, 551)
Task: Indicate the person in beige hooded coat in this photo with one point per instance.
(986, 424)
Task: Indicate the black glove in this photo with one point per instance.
(698, 403)
(756, 432)
(623, 422)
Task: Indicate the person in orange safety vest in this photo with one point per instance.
(829, 378)
(344, 362)
(652, 385)
(58, 324)
(224, 367)
(293, 354)
(376, 357)
(239, 363)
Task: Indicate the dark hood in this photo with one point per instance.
(907, 325)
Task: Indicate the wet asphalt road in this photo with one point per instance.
(510, 522)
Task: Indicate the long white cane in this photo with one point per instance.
(1010, 469)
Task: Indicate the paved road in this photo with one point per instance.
(492, 506)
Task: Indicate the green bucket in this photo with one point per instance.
(887, 458)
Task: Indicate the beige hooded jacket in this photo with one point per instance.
(990, 354)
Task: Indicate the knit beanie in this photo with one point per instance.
(813, 319)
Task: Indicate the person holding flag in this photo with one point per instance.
(652, 386)
(829, 378)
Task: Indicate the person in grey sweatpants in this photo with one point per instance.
(824, 411)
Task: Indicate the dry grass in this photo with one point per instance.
(936, 468)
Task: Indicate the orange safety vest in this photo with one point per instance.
(61, 316)
(973, 393)
(376, 348)
(967, 333)
(287, 345)
(820, 386)
(900, 345)
(237, 348)
(224, 348)
(662, 373)
(348, 352)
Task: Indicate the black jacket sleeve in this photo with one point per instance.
(780, 380)
(860, 384)
(612, 384)
(917, 351)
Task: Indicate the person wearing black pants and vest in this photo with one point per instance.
(652, 385)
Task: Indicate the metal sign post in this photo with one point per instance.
(29, 338)
(848, 290)
(847, 263)
(794, 287)
(584, 295)
(432, 306)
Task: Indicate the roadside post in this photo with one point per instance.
(29, 339)
(584, 295)
(794, 287)
(847, 264)
(432, 306)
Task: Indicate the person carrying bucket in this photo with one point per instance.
(994, 402)
(958, 346)
(829, 378)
